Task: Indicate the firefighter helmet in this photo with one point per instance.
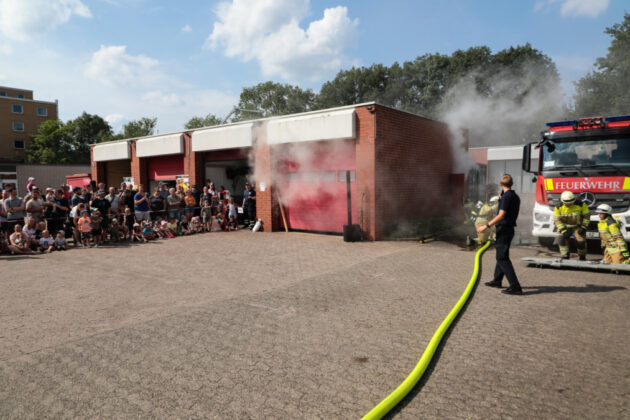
(567, 197)
(603, 208)
(494, 199)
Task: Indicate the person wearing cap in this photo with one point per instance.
(615, 248)
(571, 218)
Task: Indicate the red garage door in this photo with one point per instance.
(314, 188)
(162, 168)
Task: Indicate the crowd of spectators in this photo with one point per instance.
(51, 220)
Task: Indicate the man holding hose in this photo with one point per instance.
(505, 221)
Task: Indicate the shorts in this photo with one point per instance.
(142, 215)
(97, 231)
(86, 235)
(173, 214)
(189, 209)
(157, 213)
(4, 226)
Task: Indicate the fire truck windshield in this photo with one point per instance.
(593, 155)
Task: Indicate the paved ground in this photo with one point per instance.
(244, 325)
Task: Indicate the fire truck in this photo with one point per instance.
(591, 158)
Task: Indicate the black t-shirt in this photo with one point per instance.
(58, 213)
(197, 195)
(157, 203)
(128, 200)
(511, 203)
(250, 202)
(205, 197)
(102, 205)
(76, 199)
(130, 220)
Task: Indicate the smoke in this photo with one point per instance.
(507, 108)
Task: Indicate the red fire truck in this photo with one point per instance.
(591, 158)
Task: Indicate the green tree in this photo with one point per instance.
(139, 128)
(354, 86)
(207, 121)
(606, 90)
(268, 99)
(70, 142)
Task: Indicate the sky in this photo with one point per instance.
(128, 59)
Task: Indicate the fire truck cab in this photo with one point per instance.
(591, 158)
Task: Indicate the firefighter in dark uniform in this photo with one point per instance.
(505, 221)
(571, 218)
(615, 249)
(249, 203)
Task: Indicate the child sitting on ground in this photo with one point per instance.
(183, 226)
(215, 225)
(148, 231)
(172, 226)
(136, 233)
(46, 242)
(195, 225)
(60, 243)
(166, 232)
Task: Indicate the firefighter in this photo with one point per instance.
(571, 218)
(486, 213)
(615, 249)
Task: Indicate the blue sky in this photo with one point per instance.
(125, 59)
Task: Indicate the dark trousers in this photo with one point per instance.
(504, 266)
(251, 212)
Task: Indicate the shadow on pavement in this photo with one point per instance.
(589, 288)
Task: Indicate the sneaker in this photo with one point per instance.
(565, 257)
(95, 245)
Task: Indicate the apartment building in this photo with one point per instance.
(20, 117)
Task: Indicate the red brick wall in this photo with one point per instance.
(413, 168)
(139, 168)
(193, 162)
(366, 167)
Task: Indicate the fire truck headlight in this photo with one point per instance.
(541, 217)
(627, 220)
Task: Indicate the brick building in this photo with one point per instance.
(20, 117)
(400, 166)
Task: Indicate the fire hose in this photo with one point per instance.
(407, 385)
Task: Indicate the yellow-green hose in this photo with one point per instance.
(403, 389)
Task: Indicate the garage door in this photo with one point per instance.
(313, 190)
(115, 171)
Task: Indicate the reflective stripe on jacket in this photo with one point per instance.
(575, 215)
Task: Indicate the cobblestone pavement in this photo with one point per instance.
(244, 325)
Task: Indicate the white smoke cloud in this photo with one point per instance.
(269, 32)
(186, 29)
(111, 65)
(576, 8)
(22, 19)
(513, 114)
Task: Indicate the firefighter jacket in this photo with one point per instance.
(573, 216)
(610, 234)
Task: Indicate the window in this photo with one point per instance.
(18, 144)
(18, 126)
(42, 112)
(3, 93)
(17, 109)
(20, 95)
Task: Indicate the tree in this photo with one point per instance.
(139, 128)
(207, 121)
(269, 99)
(70, 142)
(606, 90)
(354, 86)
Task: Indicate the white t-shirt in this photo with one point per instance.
(46, 242)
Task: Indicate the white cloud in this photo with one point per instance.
(166, 99)
(269, 31)
(573, 8)
(23, 19)
(114, 118)
(111, 65)
(186, 29)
